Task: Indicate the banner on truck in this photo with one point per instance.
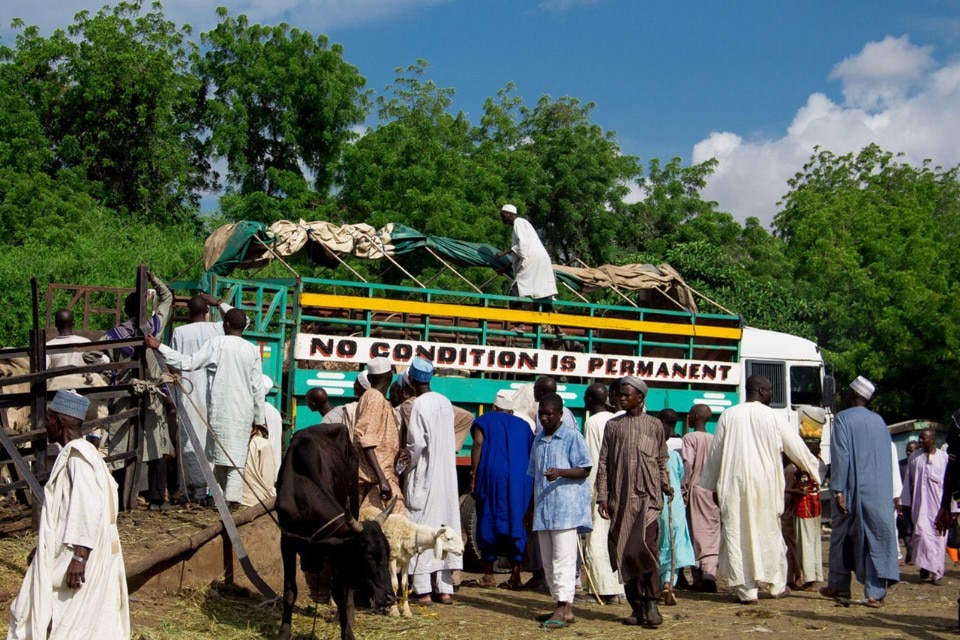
(535, 362)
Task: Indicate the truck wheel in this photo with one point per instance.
(468, 524)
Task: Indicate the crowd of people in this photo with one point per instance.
(623, 508)
(743, 503)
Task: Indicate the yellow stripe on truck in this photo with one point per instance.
(386, 305)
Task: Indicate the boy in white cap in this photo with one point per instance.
(76, 584)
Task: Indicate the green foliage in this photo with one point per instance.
(873, 239)
(280, 99)
(98, 248)
(112, 96)
(580, 182)
(110, 127)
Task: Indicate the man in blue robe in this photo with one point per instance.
(501, 487)
(864, 535)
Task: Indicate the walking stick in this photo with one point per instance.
(669, 597)
(586, 570)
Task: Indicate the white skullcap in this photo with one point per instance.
(504, 399)
(378, 366)
(509, 208)
(363, 380)
(267, 383)
(863, 387)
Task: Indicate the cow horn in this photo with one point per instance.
(355, 526)
(382, 516)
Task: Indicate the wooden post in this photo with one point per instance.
(38, 392)
(132, 484)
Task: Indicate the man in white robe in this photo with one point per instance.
(63, 320)
(234, 397)
(274, 422)
(431, 485)
(192, 400)
(745, 470)
(260, 470)
(76, 584)
(532, 268)
(602, 579)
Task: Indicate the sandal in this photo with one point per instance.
(443, 598)
(833, 594)
(424, 600)
(480, 583)
(873, 603)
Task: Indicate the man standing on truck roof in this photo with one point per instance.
(532, 269)
(704, 512)
(863, 536)
(377, 439)
(632, 481)
(745, 471)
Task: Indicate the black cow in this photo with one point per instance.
(317, 504)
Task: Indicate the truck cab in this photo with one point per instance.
(796, 370)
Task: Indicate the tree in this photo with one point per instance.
(580, 182)
(113, 96)
(281, 107)
(874, 238)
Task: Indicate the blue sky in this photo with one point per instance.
(755, 83)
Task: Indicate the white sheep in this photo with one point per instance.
(407, 539)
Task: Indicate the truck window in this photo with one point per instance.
(776, 373)
(805, 386)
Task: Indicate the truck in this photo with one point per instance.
(315, 332)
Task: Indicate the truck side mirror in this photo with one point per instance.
(829, 391)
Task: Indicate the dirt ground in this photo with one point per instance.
(219, 612)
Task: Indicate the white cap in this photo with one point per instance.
(378, 366)
(363, 380)
(504, 399)
(863, 387)
(509, 208)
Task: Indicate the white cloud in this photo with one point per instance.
(883, 72)
(316, 16)
(895, 95)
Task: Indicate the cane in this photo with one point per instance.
(669, 597)
(587, 572)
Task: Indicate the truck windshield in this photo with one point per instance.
(805, 386)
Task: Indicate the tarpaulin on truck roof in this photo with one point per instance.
(242, 245)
